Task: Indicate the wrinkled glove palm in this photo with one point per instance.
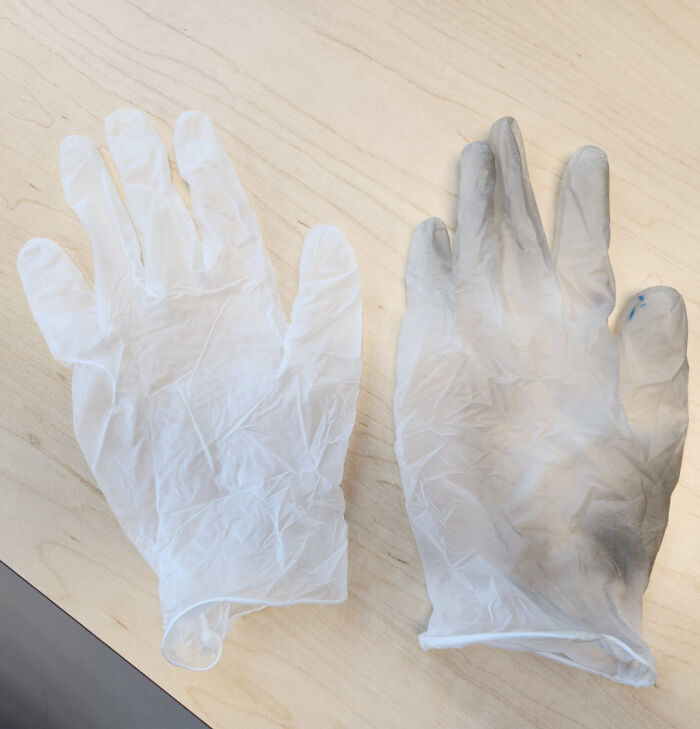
(538, 452)
(216, 431)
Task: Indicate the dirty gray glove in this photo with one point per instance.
(538, 452)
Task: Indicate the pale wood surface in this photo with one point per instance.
(352, 113)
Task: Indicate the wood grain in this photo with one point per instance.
(352, 113)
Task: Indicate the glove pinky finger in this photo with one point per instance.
(60, 299)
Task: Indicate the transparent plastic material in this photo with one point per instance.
(216, 430)
(538, 452)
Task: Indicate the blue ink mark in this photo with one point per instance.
(641, 297)
(634, 308)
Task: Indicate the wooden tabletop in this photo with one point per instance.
(352, 113)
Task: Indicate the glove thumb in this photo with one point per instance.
(652, 344)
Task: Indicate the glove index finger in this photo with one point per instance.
(582, 239)
(220, 206)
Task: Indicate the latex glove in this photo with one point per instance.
(216, 430)
(538, 452)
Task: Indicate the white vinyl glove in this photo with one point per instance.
(538, 452)
(216, 430)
